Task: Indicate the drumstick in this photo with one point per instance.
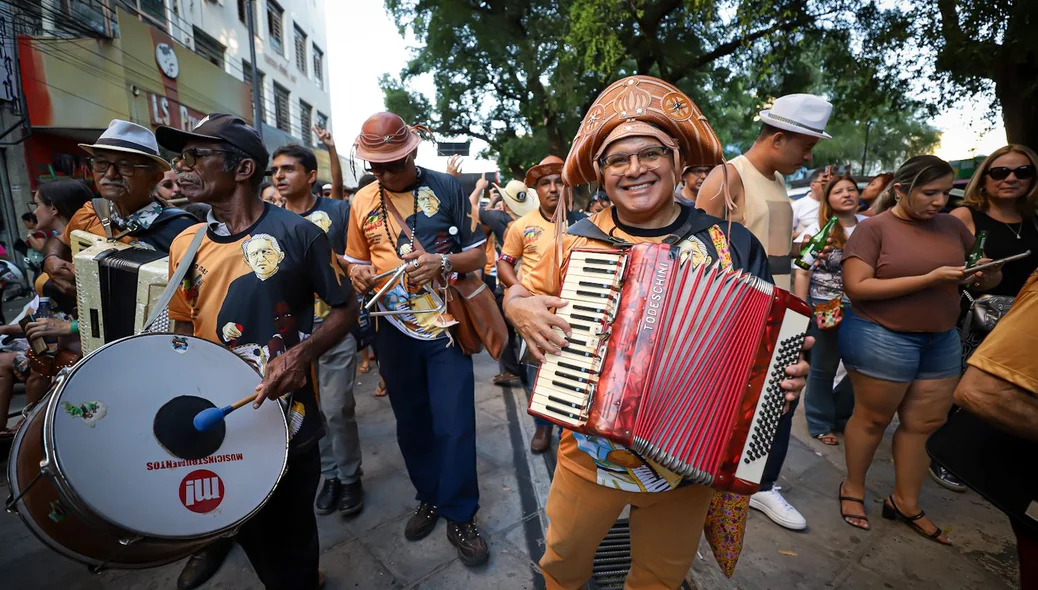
(207, 419)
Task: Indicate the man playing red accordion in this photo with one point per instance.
(634, 142)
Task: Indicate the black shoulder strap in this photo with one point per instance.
(585, 229)
(696, 222)
(170, 213)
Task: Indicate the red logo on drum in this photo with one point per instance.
(201, 491)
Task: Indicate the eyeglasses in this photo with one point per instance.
(31, 205)
(381, 168)
(124, 168)
(188, 159)
(617, 164)
(1024, 172)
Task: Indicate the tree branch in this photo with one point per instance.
(961, 52)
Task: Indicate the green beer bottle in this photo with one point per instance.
(978, 249)
(814, 246)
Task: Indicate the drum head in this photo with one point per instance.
(101, 435)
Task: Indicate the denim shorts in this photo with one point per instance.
(902, 357)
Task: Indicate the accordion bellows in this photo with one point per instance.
(117, 286)
(680, 363)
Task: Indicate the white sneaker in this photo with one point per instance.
(775, 507)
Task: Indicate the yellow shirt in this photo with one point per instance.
(1008, 351)
(594, 458)
(528, 238)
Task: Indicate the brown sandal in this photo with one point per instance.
(364, 366)
(380, 390)
(847, 517)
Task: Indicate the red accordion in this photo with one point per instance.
(681, 364)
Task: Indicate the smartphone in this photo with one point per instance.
(988, 265)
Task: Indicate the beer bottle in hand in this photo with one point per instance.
(977, 252)
(815, 245)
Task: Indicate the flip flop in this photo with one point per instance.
(828, 439)
(364, 367)
(380, 390)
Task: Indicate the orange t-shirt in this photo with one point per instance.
(528, 238)
(491, 251)
(1008, 351)
(594, 458)
(85, 219)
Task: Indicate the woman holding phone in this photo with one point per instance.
(901, 271)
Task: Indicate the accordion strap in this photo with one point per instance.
(175, 279)
(586, 229)
(696, 221)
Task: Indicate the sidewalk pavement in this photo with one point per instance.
(370, 552)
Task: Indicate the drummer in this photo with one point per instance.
(251, 287)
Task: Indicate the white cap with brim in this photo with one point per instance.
(129, 138)
(805, 114)
(518, 198)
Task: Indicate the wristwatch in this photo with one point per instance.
(446, 266)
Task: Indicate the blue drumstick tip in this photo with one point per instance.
(209, 418)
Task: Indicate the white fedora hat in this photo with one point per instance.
(519, 199)
(131, 138)
(805, 114)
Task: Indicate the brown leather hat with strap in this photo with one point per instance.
(617, 112)
(385, 137)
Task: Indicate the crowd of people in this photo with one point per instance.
(893, 300)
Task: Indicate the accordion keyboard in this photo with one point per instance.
(565, 384)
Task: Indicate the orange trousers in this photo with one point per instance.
(665, 531)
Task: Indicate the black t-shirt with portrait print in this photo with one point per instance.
(333, 217)
(254, 291)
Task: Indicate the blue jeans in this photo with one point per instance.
(901, 357)
(432, 390)
(826, 410)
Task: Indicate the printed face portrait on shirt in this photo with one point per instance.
(427, 202)
(263, 255)
(321, 220)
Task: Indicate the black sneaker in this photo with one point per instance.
(943, 478)
(472, 549)
(328, 497)
(422, 522)
(352, 500)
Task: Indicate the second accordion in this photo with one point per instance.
(678, 362)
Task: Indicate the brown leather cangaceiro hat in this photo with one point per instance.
(547, 166)
(640, 99)
(385, 137)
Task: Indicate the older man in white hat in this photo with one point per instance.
(127, 166)
(789, 131)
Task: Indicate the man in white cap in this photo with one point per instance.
(127, 167)
(527, 240)
(517, 201)
(789, 131)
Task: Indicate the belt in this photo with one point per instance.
(780, 265)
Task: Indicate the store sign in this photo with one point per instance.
(171, 114)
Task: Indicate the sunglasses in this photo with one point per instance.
(1002, 172)
(381, 168)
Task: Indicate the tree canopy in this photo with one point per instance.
(519, 74)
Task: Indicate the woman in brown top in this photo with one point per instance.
(901, 270)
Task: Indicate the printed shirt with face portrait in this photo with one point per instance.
(332, 217)
(444, 226)
(253, 292)
(597, 459)
(530, 236)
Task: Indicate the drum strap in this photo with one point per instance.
(178, 276)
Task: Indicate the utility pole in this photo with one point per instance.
(865, 152)
(257, 90)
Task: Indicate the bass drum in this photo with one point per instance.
(91, 479)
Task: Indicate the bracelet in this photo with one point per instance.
(75, 327)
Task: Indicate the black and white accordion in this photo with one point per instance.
(117, 287)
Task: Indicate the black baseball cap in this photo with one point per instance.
(222, 127)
